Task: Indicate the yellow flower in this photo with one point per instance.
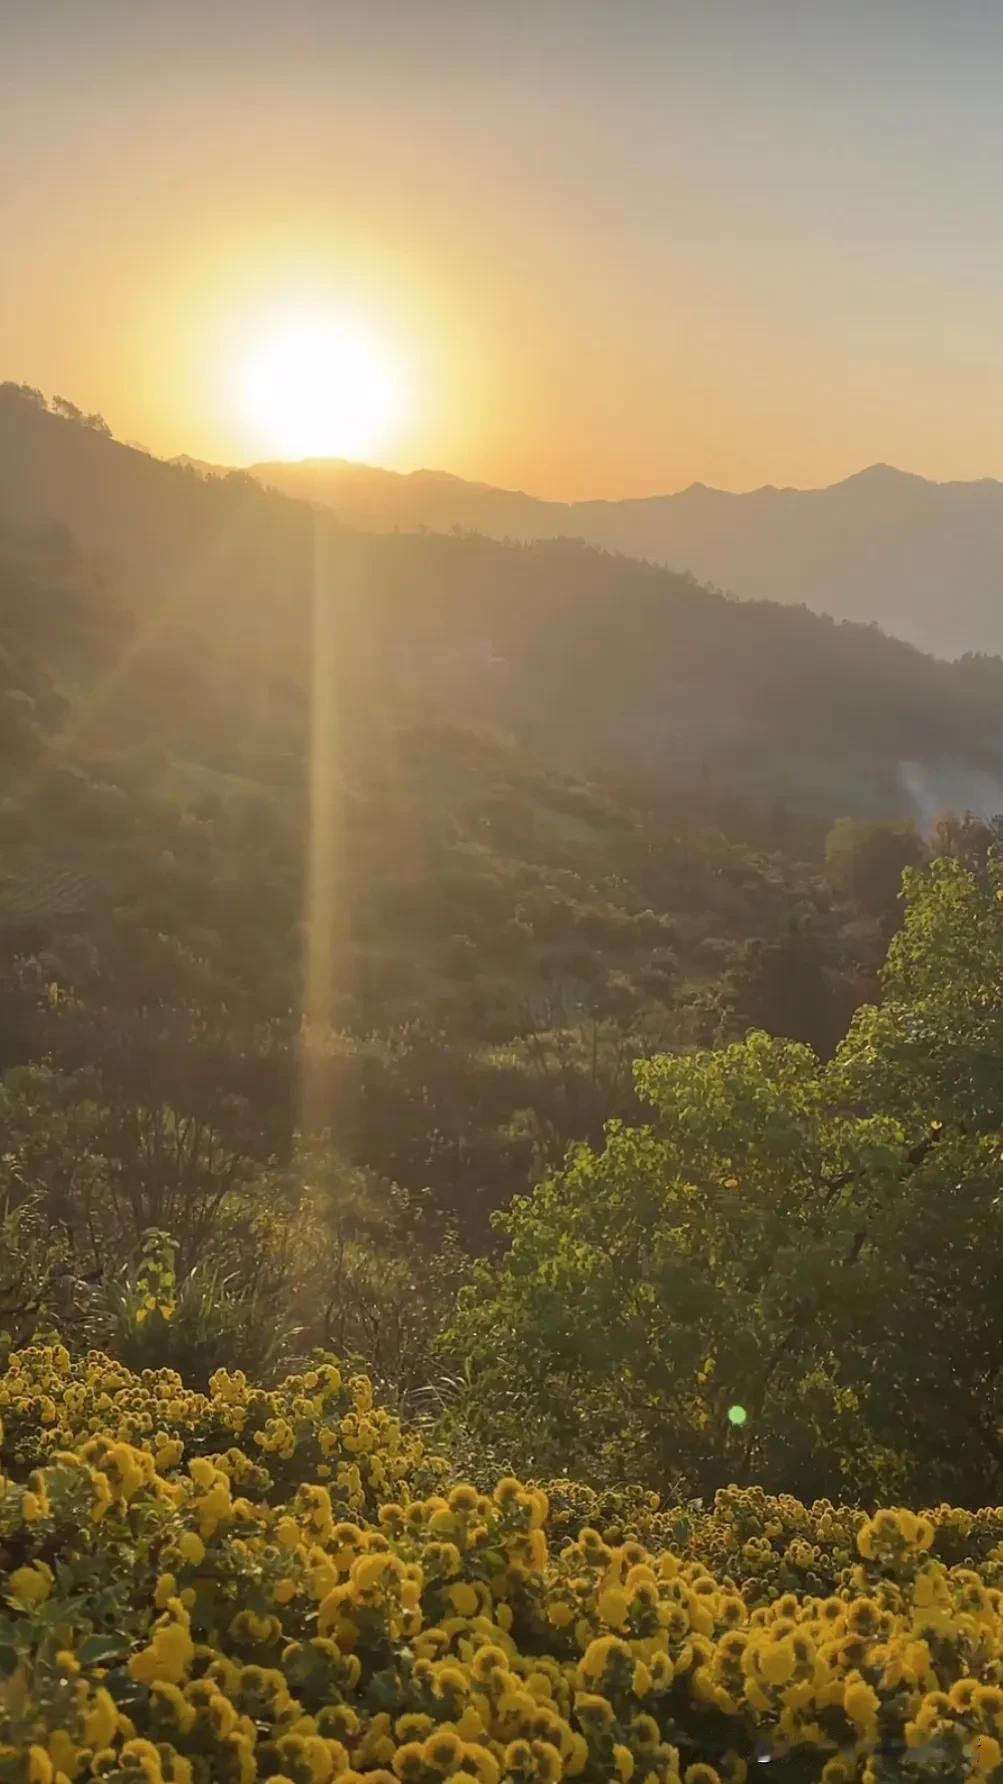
(777, 1661)
(600, 1653)
(612, 1615)
(170, 1652)
(100, 1720)
(464, 1599)
(165, 1589)
(861, 1703)
(463, 1498)
(409, 1760)
(612, 1605)
(590, 1707)
(443, 1751)
(641, 1679)
(31, 1584)
(988, 1701)
(174, 1700)
(413, 1726)
(371, 1571)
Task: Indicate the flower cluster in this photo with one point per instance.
(179, 1614)
(315, 1424)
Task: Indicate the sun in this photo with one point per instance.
(320, 387)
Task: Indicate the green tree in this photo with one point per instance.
(865, 863)
(967, 838)
(651, 1288)
(790, 1273)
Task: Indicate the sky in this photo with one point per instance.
(597, 247)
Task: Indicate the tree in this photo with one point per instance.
(791, 1273)
(865, 863)
(966, 838)
(651, 1287)
(787, 986)
(61, 405)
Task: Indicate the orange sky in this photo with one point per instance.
(611, 248)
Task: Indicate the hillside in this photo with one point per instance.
(503, 937)
(924, 560)
(607, 664)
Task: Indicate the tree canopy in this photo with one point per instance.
(789, 1273)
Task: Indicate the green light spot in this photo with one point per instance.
(737, 1415)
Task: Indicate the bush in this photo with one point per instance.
(197, 1325)
(249, 1585)
(314, 1424)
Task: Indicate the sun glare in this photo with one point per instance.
(315, 388)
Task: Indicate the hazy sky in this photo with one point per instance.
(613, 246)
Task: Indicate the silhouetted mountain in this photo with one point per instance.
(598, 662)
(924, 560)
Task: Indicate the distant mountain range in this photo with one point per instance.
(922, 559)
(594, 661)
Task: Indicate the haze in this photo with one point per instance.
(615, 248)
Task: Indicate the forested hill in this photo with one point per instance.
(234, 741)
(504, 939)
(608, 664)
(924, 559)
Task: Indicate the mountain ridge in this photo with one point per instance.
(595, 660)
(880, 469)
(924, 559)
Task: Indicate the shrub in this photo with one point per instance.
(197, 1324)
(280, 1585)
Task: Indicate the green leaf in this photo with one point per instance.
(95, 1649)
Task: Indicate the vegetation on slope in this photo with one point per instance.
(919, 557)
(767, 1257)
(506, 939)
(283, 1584)
(609, 663)
(812, 1246)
